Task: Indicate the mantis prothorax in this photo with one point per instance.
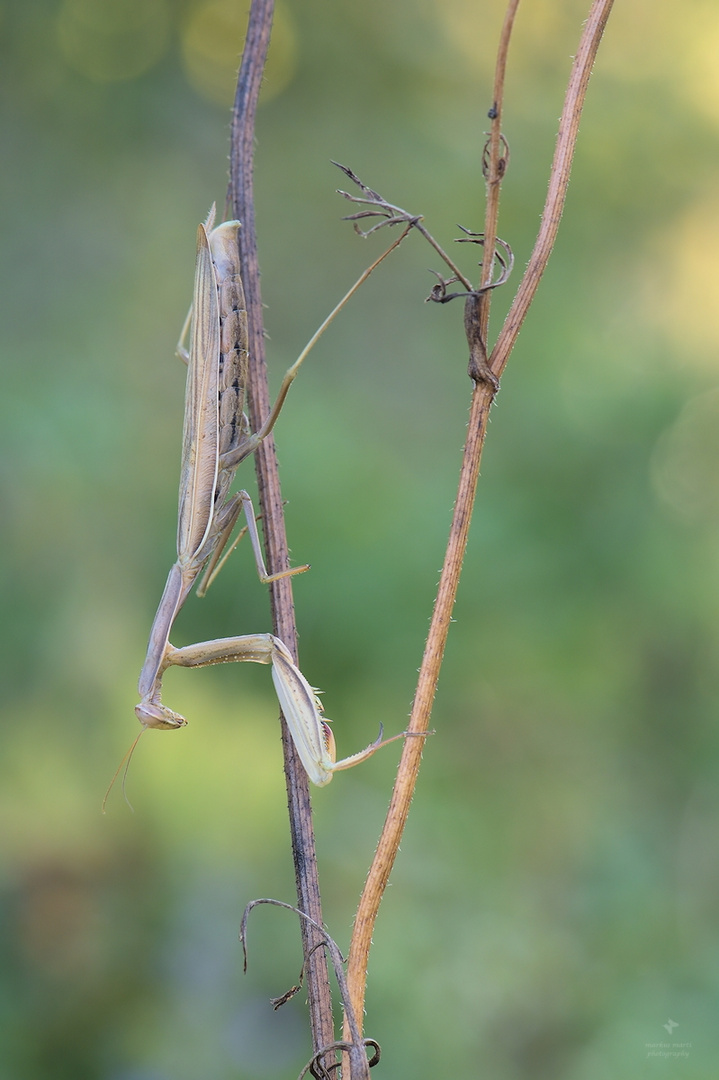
(216, 439)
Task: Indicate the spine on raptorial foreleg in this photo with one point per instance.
(302, 710)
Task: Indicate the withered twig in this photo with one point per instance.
(354, 1046)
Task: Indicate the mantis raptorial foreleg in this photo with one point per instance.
(300, 705)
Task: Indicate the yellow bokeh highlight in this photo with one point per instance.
(212, 43)
(700, 70)
(673, 45)
(682, 283)
(112, 42)
(644, 40)
(473, 31)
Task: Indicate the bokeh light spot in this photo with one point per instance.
(681, 294)
(112, 42)
(212, 43)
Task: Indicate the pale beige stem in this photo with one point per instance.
(481, 399)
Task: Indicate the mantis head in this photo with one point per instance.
(154, 715)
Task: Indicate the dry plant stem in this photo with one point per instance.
(477, 305)
(356, 1047)
(241, 205)
(495, 172)
(481, 400)
(392, 215)
(558, 181)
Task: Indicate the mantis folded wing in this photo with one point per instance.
(216, 434)
(216, 439)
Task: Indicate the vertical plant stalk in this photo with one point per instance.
(240, 200)
(482, 395)
(558, 181)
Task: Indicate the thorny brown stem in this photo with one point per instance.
(240, 200)
(482, 396)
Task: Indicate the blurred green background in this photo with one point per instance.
(556, 899)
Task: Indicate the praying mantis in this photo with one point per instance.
(216, 439)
